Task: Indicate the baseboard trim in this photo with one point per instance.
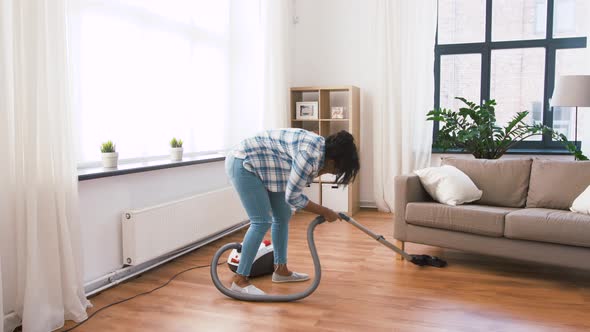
(368, 204)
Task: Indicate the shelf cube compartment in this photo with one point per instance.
(313, 126)
(335, 197)
(332, 127)
(302, 95)
(312, 191)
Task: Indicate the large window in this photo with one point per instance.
(146, 71)
(512, 51)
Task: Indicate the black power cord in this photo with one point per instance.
(138, 295)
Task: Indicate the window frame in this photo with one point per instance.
(485, 48)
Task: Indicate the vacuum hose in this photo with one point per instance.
(272, 298)
(420, 260)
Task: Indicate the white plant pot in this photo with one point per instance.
(110, 159)
(176, 154)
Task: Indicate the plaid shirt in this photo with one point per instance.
(285, 160)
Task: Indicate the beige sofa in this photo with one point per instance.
(523, 212)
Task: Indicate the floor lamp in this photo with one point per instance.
(572, 91)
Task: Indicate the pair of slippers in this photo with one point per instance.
(425, 260)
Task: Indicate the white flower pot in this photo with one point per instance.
(110, 159)
(176, 154)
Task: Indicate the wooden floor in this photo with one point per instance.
(363, 289)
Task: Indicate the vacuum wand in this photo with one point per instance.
(420, 260)
(379, 238)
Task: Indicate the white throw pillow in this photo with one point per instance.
(448, 185)
(582, 203)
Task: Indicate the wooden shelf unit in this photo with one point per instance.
(327, 97)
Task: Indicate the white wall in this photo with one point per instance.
(103, 200)
(331, 48)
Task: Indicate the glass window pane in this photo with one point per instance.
(460, 76)
(517, 84)
(519, 19)
(571, 18)
(572, 62)
(129, 52)
(461, 21)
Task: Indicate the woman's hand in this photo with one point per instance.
(327, 213)
(330, 215)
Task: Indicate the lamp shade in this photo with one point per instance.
(572, 90)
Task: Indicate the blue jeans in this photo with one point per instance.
(265, 209)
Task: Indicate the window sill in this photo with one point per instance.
(549, 152)
(146, 166)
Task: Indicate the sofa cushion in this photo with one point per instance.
(475, 219)
(555, 184)
(547, 225)
(504, 182)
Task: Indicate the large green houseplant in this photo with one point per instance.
(473, 129)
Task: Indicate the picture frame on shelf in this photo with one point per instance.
(337, 112)
(306, 110)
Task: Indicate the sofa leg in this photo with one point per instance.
(401, 245)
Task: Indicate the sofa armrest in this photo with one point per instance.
(407, 189)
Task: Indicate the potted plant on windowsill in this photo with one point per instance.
(473, 129)
(176, 149)
(109, 156)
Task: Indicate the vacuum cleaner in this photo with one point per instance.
(264, 263)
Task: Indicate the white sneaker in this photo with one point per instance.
(250, 289)
(294, 277)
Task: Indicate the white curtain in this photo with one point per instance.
(404, 42)
(276, 30)
(37, 164)
(1, 300)
(260, 34)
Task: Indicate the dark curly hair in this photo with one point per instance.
(340, 147)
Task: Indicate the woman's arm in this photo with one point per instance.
(301, 170)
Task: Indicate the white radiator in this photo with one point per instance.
(154, 231)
